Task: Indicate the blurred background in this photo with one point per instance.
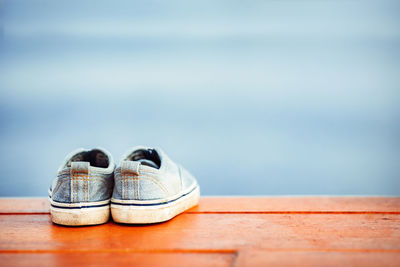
(253, 97)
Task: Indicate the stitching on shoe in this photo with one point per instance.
(137, 187)
(59, 183)
(75, 185)
(73, 188)
(97, 178)
(134, 188)
(156, 181)
(136, 181)
(124, 191)
(84, 189)
(122, 187)
(87, 189)
(151, 179)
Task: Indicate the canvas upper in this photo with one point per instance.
(149, 174)
(84, 176)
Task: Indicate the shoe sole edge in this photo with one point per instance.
(154, 213)
(73, 215)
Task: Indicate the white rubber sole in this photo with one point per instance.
(143, 212)
(78, 214)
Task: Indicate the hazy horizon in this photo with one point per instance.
(253, 98)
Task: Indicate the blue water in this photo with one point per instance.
(254, 98)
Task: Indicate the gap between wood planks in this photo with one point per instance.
(203, 251)
(239, 212)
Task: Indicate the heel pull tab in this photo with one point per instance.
(130, 183)
(79, 181)
(129, 167)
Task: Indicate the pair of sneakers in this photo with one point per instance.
(147, 187)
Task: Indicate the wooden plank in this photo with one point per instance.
(284, 231)
(24, 205)
(208, 232)
(117, 259)
(247, 205)
(255, 258)
(299, 204)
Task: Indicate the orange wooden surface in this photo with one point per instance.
(246, 204)
(110, 259)
(227, 231)
(311, 258)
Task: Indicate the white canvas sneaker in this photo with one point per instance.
(149, 188)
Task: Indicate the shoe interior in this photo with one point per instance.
(148, 157)
(95, 157)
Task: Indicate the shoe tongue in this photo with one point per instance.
(148, 162)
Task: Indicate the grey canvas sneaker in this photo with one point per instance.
(150, 188)
(81, 192)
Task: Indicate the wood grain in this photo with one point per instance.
(118, 259)
(248, 205)
(239, 231)
(24, 205)
(299, 205)
(208, 232)
(261, 258)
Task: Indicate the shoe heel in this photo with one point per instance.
(77, 214)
